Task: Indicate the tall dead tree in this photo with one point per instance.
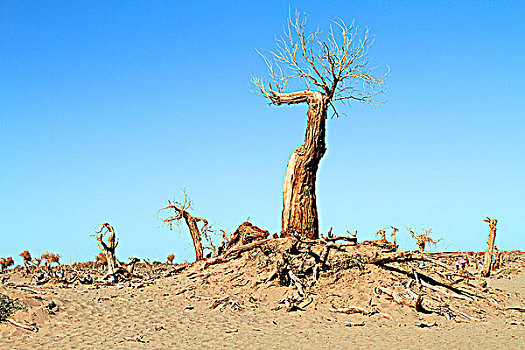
(108, 248)
(331, 67)
(487, 263)
(180, 211)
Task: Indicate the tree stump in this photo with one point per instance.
(487, 263)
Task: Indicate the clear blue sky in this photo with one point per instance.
(108, 110)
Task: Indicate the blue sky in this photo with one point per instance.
(107, 111)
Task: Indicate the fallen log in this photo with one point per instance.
(457, 296)
(245, 247)
(517, 308)
(219, 301)
(351, 310)
(351, 240)
(21, 325)
(211, 261)
(380, 243)
(430, 280)
(396, 257)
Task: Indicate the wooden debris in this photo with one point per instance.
(31, 328)
(416, 302)
(396, 257)
(516, 308)
(351, 310)
(426, 325)
(330, 238)
(383, 315)
(218, 302)
(245, 247)
(246, 233)
(138, 339)
(211, 261)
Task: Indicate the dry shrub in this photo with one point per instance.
(50, 258)
(26, 256)
(101, 259)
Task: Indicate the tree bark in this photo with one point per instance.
(192, 221)
(487, 264)
(299, 199)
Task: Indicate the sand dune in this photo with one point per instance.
(174, 312)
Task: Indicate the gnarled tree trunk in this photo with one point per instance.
(180, 211)
(299, 198)
(108, 249)
(192, 221)
(337, 67)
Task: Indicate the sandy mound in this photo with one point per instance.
(278, 290)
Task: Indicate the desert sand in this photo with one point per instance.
(223, 306)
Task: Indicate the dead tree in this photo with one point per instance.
(108, 248)
(395, 229)
(5, 263)
(26, 256)
(423, 239)
(330, 68)
(50, 258)
(353, 234)
(487, 263)
(181, 212)
(381, 233)
(130, 267)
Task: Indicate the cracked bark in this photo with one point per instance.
(300, 213)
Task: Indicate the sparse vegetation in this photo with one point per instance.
(26, 256)
(101, 259)
(5, 263)
(50, 258)
(8, 307)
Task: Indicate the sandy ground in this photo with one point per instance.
(174, 312)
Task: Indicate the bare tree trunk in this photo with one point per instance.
(180, 211)
(192, 221)
(490, 247)
(112, 262)
(108, 249)
(299, 198)
(395, 229)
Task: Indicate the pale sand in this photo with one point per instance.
(103, 318)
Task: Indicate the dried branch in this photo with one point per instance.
(333, 63)
(423, 239)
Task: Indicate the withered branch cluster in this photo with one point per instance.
(424, 238)
(334, 63)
